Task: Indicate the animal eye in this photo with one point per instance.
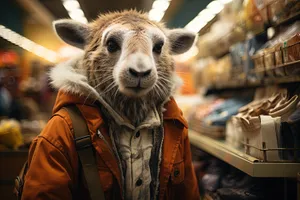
(112, 46)
(157, 47)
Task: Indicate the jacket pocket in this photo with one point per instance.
(177, 175)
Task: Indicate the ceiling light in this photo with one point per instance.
(161, 4)
(82, 20)
(71, 5)
(75, 16)
(196, 24)
(74, 10)
(51, 56)
(156, 15)
(27, 44)
(215, 7)
(158, 10)
(77, 12)
(206, 15)
(39, 50)
(225, 1)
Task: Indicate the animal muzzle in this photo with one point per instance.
(142, 79)
(138, 71)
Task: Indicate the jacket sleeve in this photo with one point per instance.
(50, 173)
(190, 181)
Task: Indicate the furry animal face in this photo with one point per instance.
(128, 58)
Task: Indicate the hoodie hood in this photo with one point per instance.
(74, 89)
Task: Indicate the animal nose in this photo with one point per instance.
(140, 74)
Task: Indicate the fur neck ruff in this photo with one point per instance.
(70, 77)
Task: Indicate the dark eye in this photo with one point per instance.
(157, 47)
(112, 46)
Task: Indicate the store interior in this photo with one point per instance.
(239, 91)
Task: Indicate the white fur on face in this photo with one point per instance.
(140, 62)
(135, 54)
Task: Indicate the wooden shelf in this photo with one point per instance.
(237, 158)
(234, 84)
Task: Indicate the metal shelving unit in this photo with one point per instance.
(237, 158)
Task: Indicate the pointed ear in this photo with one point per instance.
(181, 40)
(72, 32)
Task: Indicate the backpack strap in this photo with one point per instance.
(85, 152)
(19, 181)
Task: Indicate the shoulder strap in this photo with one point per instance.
(85, 152)
(19, 181)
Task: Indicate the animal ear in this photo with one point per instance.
(72, 32)
(181, 40)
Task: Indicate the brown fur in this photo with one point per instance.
(99, 67)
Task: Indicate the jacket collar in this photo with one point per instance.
(92, 113)
(173, 112)
(71, 78)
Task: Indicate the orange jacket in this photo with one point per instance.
(53, 162)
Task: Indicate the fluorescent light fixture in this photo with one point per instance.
(74, 10)
(77, 12)
(156, 15)
(160, 4)
(158, 10)
(225, 1)
(71, 5)
(82, 20)
(206, 15)
(39, 50)
(27, 44)
(75, 16)
(215, 7)
(196, 24)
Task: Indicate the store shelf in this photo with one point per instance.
(235, 84)
(273, 68)
(240, 160)
(288, 20)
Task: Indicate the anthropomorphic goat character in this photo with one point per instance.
(122, 84)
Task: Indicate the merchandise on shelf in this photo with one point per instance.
(259, 123)
(10, 134)
(210, 118)
(282, 49)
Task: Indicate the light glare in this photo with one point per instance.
(215, 7)
(158, 10)
(156, 15)
(74, 10)
(71, 5)
(162, 5)
(225, 1)
(27, 44)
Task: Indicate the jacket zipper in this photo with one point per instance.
(103, 138)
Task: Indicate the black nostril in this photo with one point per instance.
(135, 73)
(146, 73)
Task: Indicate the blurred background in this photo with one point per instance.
(248, 50)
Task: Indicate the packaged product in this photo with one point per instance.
(258, 59)
(291, 49)
(277, 11)
(279, 70)
(269, 60)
